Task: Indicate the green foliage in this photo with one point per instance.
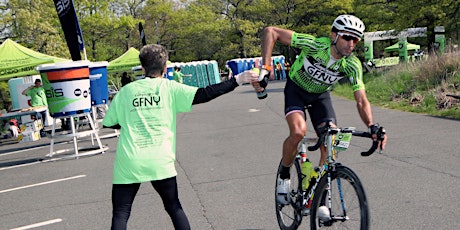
(207, 29)
(419, 87)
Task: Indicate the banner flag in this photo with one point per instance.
(141, 31)
(81, 42)
(70, 26)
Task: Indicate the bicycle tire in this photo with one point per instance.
(290, 216)
(354, 197)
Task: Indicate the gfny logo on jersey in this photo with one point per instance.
(321, 73)
(146, 100)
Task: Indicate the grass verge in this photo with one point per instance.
(419, 87)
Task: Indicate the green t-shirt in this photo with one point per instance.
(311, 70)
(37, 96)
(178, 76)
(146, 111)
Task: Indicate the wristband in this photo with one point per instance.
(267, 67)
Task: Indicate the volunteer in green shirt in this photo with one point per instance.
(145, 111)
(322, 62)
(177, 75)
(37, 96)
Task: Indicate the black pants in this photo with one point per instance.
(123, 197)
(42, 117)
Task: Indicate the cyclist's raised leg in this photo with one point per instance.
(321, 111)
(294, 104)
(297, 128)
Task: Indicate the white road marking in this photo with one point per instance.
(38, 224)
(253, 110)
(43, 183)
(20, 165)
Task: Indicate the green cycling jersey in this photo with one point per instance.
(316, 71)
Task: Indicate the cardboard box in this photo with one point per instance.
(28, 136)
(34, 126)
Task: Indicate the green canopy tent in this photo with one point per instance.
(125, 62)
(395, 47)
(19, 61)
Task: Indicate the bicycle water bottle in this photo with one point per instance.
(263, 81)
(306, 171)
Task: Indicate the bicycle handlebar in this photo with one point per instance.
(380, 135)
(454, 96)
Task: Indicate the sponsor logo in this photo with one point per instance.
(320, 73)
(50, 93)
(62, 6)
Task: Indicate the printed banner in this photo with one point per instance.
(70, 26)
(142, 34)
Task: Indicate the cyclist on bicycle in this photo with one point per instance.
(322, 62)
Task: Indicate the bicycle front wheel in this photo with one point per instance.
(290, 216)
(349, 207)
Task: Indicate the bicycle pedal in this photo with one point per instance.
(305, 211)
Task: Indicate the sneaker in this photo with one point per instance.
(282, 191)
(323, 214)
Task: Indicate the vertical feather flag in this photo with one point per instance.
(142, 34)
(69, 23)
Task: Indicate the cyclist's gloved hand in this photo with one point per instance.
(247, 76)
(378, 134)
(373, 129)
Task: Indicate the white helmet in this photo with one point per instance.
(350, 24)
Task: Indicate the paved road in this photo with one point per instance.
(228, 150)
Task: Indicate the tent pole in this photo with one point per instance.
(84, 53)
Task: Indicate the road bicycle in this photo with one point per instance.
(335, 197)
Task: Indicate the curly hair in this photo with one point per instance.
(153, 59)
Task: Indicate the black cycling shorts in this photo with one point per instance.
(319, 106)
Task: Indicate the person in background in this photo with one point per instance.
(37, 96)
(125, 79)
(177, 75)
(322, 62)
(278, 71)
(287, 68)
(145, 112)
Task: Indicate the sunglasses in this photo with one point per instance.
(349, 37)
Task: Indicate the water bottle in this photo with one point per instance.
(306, 170)
(263, 81)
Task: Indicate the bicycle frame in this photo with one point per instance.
(330, 161)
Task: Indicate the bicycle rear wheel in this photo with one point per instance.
(290, 216)
(349, 208)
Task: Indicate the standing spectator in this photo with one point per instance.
(145, 111)
(287, 68)
(37, 96)
(177, 75)
(125, 79)
(278, 71)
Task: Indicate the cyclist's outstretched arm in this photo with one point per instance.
(271, 35)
